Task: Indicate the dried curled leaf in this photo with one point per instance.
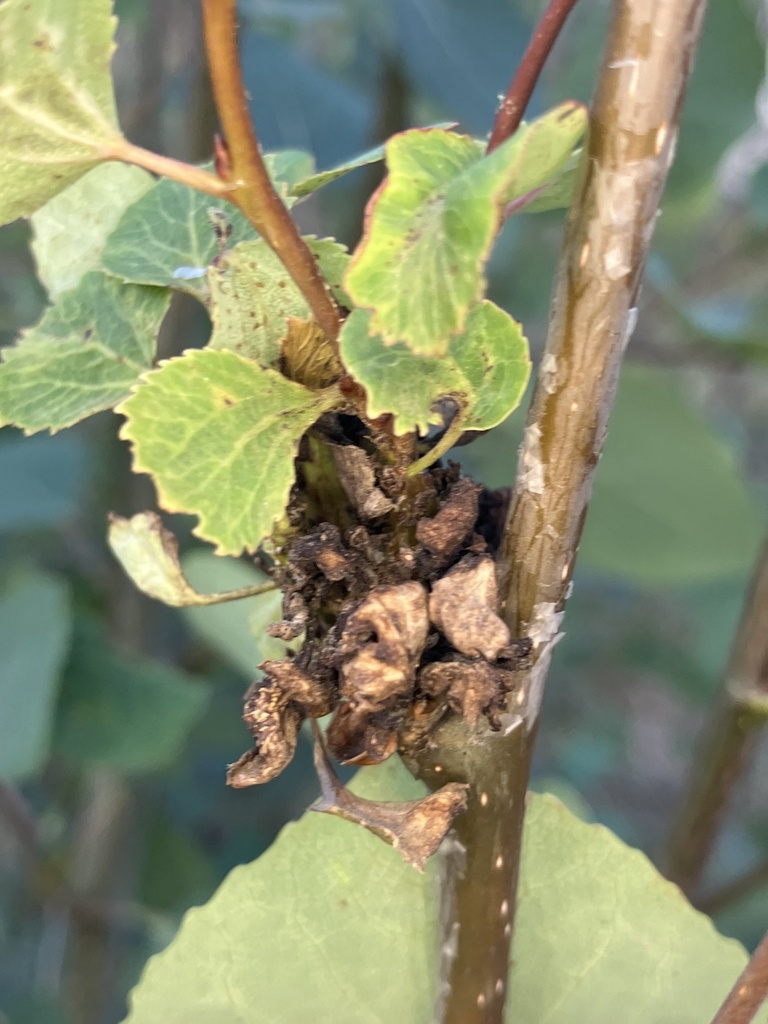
(150, 555)
(415, 828)
(307, 355)
(357, 737)
(463, 606)
(471, 688)
(322, 549)
(444, 534)
(380, 646)
(274, 709)
(357, 478)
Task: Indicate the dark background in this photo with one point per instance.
(116, 818)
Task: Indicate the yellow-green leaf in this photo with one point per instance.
(485, 371)
(429, 230)
(253, 295)
(219, 434)
(85, 354)
(57, 109)
(150, 555)
(72, 228)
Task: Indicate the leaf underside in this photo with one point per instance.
(84, 356)
(73, 227)
(167, 237)
(600, 936)
(57, 109)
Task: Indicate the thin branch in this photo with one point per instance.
(634, 119)
(510, 113)
(253, 191)
(750, 991)
(727, 743)
(176, 170)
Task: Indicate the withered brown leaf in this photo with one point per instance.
(359, 482)
(274, 709)
(380, 646)
(444, 533)
(471, 688)
(463, 606)
(357, 737)
(415, 828)
(307, 355)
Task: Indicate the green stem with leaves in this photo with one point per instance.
(728, 741)
(634, 118)
(252, 189)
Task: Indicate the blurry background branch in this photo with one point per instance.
(728, 742)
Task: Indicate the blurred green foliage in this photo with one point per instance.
(106, 693)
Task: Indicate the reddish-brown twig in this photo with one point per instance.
(252, 189)
(750, 991)
(510, 113)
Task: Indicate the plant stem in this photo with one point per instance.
(176, 170)
(253, 191)
(480, 878)
(633, 126)
(750, 991)
(510, 113)
(728, 741)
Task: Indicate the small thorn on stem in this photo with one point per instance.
(221, 161)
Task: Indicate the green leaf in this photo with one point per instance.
(83, 356)
(556, 194)
(252, 295)
(419, 267)
(311, 184)
(72, 228)
(219, 434)
(57, 110)
(237, 632)
(670, 503)
(129, 713)
(150, 555)
(167, 237)
(35, 624)
(485, 370)
(351, 933)
(288, 169)
(307, 185)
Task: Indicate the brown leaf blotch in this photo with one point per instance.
(463, 606)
